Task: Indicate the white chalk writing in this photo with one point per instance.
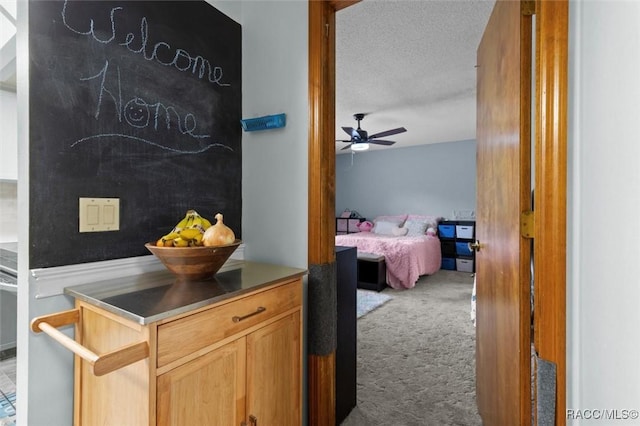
(140, 114)
(179, 58)
(135, 111)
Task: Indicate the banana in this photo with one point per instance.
(205, 223)
(194, 230)
(187, 232)
(196, 241)
(179, 242)
(190, 233)
(171, 236)
(183, 222)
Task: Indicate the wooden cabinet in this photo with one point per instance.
(207, 391)
(255, 376)
(273, 373)
(223, 364)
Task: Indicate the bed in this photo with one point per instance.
(407, 242)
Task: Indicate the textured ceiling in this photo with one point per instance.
(409, 63)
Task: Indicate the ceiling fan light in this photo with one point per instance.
(361, 146)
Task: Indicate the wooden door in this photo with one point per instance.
(503, 190)
(209, 390)
(274, 372)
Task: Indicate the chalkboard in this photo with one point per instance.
(134, 100)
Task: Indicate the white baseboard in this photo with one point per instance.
(49, 282)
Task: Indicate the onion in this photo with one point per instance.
(218, 234)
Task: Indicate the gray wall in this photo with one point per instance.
(603, 295)
(429, 179)
(274, 162)
(274, 192)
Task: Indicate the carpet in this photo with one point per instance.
(416, 357)
(370, 300)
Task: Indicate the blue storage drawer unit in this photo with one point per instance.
(446, 231)
(448, 263)
(462, 249)
(455, 236)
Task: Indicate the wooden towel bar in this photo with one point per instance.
(102, 364)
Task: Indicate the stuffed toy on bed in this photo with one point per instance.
(365, 226)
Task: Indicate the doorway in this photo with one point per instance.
(550, 197)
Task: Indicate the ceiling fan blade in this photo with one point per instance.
(346, 147)
(342, 140)
(388, 133)
(381, 142)
(348, 130)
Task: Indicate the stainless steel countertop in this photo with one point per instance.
(153, 296)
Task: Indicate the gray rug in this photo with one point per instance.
(369, 300)
(416, 357)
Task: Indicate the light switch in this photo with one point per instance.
(108, 214)
(93, 214)
(99, 214)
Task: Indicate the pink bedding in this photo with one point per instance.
(407, 258)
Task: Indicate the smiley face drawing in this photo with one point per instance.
(136, 113)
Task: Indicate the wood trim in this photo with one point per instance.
(550, 197)
(321, 216)
(322, 163)
(526, 40)
(322, 390)
(341, 4)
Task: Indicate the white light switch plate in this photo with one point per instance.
(99, 214)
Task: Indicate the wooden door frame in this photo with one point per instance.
(549, 199)
(322, 177)
(550, 190)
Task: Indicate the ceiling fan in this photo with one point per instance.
(360, 139)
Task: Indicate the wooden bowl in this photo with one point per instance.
(193, 263)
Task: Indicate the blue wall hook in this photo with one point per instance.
(264, 123)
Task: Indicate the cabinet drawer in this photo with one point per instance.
(181, 337)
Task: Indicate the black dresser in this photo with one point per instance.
(346, 279)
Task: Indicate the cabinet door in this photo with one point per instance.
(274, 373)
(209, 390)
